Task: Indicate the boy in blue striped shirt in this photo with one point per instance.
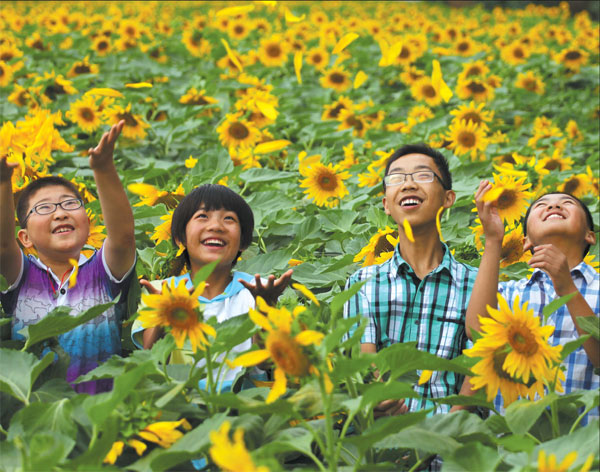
(559, 230)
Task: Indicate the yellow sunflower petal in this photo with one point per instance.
(267, 109)
(139, 446)
(231, 55)
(425, 376)
(73, 276)
(298, 66)
(278, 387)
(208, 329)
(344, 42)
(493, 194)
(306, 292)
(252, 358)
(308, 337)
(139, 85)
(438, 223)
(115, 451)
(259, 319)
(408, 230)
(291, 18)
(233, 11)
(393, 52)
(360, 79)
(271, 146)
(438, 83)
(105, 92)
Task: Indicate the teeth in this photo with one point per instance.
(62, 230)
(217, 242)
(555, 216)
(410, 201)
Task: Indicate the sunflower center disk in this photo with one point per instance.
(238, 131)
(506, 200)
(466, 139)
(522, 341)
(287, 354)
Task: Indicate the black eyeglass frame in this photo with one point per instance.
(56, 205)
(405, 174)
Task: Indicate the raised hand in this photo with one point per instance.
(6, 169)
(553, 261)
(493, 227)
(102, 154)
(271, 291)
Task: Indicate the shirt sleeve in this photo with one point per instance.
(359, 305)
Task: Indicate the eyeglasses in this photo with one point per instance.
(47, 208)
(421, 177)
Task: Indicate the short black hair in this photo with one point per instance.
(421, 148)
(34, 186)
(584, 207)
(212, 197)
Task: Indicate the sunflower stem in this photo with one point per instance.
(331, 451)
(209, 377)
(554, 419)
(578, 420)
(312, 430)
(532, 437)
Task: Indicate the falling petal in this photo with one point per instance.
(271, 146)
(438, 82)
(233, 11)
(139, 85)
(306, 292)
(425, 376)
(438, 223)
(290, 18)
(73, 276)
(344, 42)
(408, 230)
(360, 79)
(298, 65)
(393, 52)
(385, 48)
(231, 55)
(267, 109)
(105, 92)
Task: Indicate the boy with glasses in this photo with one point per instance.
(421, 294)
(53, 221)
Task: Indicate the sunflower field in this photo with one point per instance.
(296, 106)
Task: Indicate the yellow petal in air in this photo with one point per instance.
(306, 292)
(438, 82)
(298, 65)
(438, 223)
(271, 146)
(105, 92)
(360, 79)
(73, 276)
(267, 109)
(308, 337)
(139, 85)
(408, 230)
(344, 42)
(425, 376)
(385, 48)
(278, 387)
(290, 18)
(393, 52)
(233, 11)
(230, 53)
(251, 358)
(259, 320)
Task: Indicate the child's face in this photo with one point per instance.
(213, 235)
(418, 202)
(558, 215)
(57, 235)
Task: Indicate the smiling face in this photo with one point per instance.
(57, 236)
(213, 235)
(558, 215)
(418, 202)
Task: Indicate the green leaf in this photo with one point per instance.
(590, 324)
(47, 449)
(231, 333)
(3, 284)
(19, 371)
(522, 414)
(572, 346)
(470, 457)
(341, 298)
(419, 438)
(379, 391)
(59, 321)
(556, 304)
(204, 273)
(41, 417)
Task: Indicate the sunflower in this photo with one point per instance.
(577, 185)
(573, 131)
(411, 74)
(58, 86)
(231, 456)
(467, 137)
(474, 88)
(285, 350)
(9, 51)
(176, 308)
(96, 236)
(474, 114)
(474, 69)
(548, 463)
(6, 74)
(371, 178)
(82, 67)
(272, 51)
(163, 231)
(466, 47)
(590, 260)
(336, 78)
(35, 42)
(24, 97)
(512, 247)
(572, 58)
(557, 162)
(350, 120)
(515, 53)
(317, 57)
(195, 43)
(530, 82)
(423, 90)
(511, 195)
(377, 245)
(515, 355)
(85, 114)
(135, 125)
(151, 196)
(332, 111)
(420, 113)
(324, 184)
(237, 132)
(193, 97)
(102, 45)
(238, 29)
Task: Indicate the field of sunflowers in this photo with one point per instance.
(296, 106)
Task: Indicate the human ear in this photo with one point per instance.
(590, 238)
(23, 236)
(385, 206)
(528, 245)
(449, 199)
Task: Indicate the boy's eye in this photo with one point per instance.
(201, 215)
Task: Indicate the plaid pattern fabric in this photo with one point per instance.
(401, 308)
(539, 291)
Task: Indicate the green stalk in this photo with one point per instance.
(331, 448)
(578, 420)
(554, 418)
(209, 377)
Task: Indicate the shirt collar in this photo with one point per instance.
(586, 271)
(36, 260)
(399, 265)
(233, 288)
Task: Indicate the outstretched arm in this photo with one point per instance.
(119, 247)
(553, 261)
(10, 254)
(271, 291)
(486, 284)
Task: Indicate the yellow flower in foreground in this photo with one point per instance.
(286, 351)
(515, 355)
(548, 463)
(511, 195)
(163, 231)
(589, 259)
(306, 292)
(164, 433)
(231, 456)
(377, 245)
(115, 451)
(324, 184)
(176, 308)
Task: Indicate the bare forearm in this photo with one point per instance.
(467, 390)
(485, 288)
(150, 336)
(9, 249)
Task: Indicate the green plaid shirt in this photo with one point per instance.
(402, 308)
